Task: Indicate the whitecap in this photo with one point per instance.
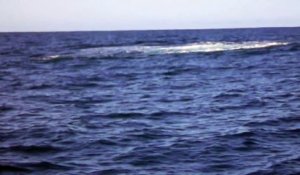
(178, 49)
(200, 47)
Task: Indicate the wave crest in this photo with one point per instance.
(187, 48)
(202, 47)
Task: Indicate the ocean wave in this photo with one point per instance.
(29, 166)
(285, 165)
(30, 149)
(201, 47)
(177, 49)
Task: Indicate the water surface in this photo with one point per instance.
(152, 102)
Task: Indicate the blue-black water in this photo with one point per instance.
(151, 102)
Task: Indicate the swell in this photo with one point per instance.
(275, 122)
(25, 167)
(286, 165)
(31, 149)
(133, 115)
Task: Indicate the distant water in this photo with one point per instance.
(153, 102)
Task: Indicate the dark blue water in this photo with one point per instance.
(153, 102)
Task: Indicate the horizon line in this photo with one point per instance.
(144, 30)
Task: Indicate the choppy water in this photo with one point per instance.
(154, 102)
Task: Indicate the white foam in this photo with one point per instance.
(187, 48)
(48, 58)
(201, 47)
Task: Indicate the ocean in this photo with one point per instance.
(207, 102)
